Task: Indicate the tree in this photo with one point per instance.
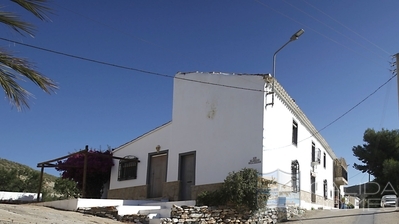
(379, 155)
(13, 68)
(66, 187)
(98, 171)
(10, 181)
(19, 180)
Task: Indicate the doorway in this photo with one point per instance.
(157, 174)
(313, 188)
(186, 174)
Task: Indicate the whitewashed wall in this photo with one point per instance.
(223, 125)
(140, 148)
(228, 128)
(279, 151)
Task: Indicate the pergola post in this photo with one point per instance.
(40, 183)
(85, 171)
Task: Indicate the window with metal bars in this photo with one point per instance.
(128, 168)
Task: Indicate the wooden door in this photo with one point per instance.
(187, 175)
(157, 175)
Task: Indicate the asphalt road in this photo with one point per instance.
(350, 216)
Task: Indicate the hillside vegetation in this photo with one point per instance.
(16, 177)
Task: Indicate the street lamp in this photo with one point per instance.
(293, 38)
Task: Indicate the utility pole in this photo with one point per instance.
(396, 71)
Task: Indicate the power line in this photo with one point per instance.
(352, 108)
(361, 36)
(321, 34)
(191, 80)
(345, 113)
(128, 68)
(330, 27)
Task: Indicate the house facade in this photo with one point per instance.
(223, 123)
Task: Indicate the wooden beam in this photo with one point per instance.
(40, 184)
(85, 171)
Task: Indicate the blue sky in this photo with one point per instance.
(343, 57)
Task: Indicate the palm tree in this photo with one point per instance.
(13, 69)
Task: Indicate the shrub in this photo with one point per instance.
(211, 198)
(243, 189)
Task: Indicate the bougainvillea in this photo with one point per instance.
(98, 170)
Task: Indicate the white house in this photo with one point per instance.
(223, 123)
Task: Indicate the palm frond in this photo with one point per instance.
(17, 95)
(36, 7)
(11, 19)
(13, 69)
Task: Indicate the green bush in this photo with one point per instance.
(211, 198)
(243, 189)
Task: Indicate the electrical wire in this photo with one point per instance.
(332, 28)
(127, 68)
(196, 81)
(361, 36)
(321, 34)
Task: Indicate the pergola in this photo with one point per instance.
(51, 164)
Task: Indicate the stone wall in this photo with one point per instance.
(171, 190)
(205, 215)
(129, 193)
(320, 200)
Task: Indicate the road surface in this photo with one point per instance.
(350, 216)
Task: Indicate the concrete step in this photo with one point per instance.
(135, 209)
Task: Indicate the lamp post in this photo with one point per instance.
(293, 38)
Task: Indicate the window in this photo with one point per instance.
(325, 189)
(294, 133)
(318, 156)
(313, 152)
(324, 160)
(128, 168)
(295, 176)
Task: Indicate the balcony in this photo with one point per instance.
(340, 172)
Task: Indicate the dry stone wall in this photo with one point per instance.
(205, 215)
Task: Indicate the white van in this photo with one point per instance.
(388, 200)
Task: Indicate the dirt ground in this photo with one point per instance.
(31, 213)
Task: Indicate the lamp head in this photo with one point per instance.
(297, 34)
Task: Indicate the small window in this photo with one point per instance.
(325, 189)
(324, 160)
(313, 152)
(318, 156)
(295, 176)
(128, 168)
(294, 133)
